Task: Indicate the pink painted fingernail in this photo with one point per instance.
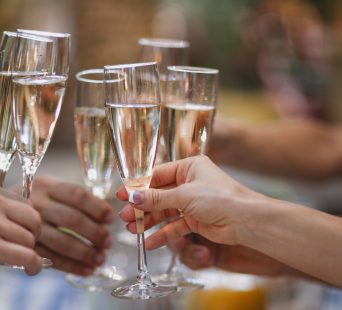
(136, 197)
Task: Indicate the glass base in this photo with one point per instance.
(104, 278)
(46, 263)
(182, 282)
(143, 291)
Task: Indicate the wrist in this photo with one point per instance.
(261, 221)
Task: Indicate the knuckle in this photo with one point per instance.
(155, 197)
(36, 224)
(101, 234)
(63, 246)
(36, 219)
(40, 181)
(102, 212)
(79, 195)
(72, 220)
(156, 179)
(88, 255)
(30, 241)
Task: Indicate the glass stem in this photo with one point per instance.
(143, 276)
(29, 166)
(2, 177)
(27, 184)
(174, 267)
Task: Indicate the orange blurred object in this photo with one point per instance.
(222, 298)
(226, 290)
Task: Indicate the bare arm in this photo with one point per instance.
(299, 149)
(300, 237)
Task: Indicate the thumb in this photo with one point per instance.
(157, 199)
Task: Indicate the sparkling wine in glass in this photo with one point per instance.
(97, 161)
(189, 107)
(38, 93)
(133, 111)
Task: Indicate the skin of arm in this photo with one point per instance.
(300, 237)
(307, 150)
(225, 212)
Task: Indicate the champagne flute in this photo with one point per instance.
(166, 52)
(18, 50)
(39, 79)
(190, 102)
(133, 111)
(97, 161)
(38, 95)
(7, 140)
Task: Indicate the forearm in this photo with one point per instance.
(301, 150)
(304, 239)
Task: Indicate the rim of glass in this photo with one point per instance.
(45, 33)
(132, 65)
(26, 36)
(80, 76)
(164, 42)
(10, 33)
(189, 69)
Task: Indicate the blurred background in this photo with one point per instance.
(277, 59)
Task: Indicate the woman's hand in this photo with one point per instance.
(214, 205)
(225, 212)
(20, 225)
(65, 205)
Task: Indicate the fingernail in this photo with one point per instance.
(109, 217)
(136, 197)
(197, 254)
(99, 259)
(108, 242)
